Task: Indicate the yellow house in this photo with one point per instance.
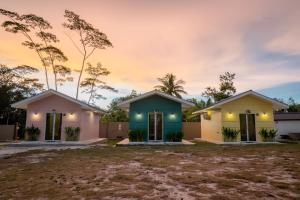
(248, 113)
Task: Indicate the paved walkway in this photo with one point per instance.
(8, 149)
(126, 142)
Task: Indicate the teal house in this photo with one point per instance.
(155, 113)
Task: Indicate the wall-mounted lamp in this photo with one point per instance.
(230, 114)
(138, 115)
(172, 115)
(35, 116)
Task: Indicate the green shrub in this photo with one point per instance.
(267, 135)
(72, 133)
(175, 136)
(230, 134)
(136, 135)
(32, 133)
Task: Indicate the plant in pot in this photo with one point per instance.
(175, 136)
(72, 133)
(136, 135)
(230, 134)
(32, 133)
(267, 135)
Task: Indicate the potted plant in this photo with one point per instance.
(72, 133)
(230, 134)
(175, 136)
(136, 135)
(267, 135)
(32, 133)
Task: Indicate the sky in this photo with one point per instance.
(196, 40)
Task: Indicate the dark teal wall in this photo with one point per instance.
(138, 114)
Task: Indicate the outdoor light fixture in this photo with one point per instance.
(35, 116)
(172, 115)
(138, 115)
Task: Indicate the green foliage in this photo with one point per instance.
(72, 133)
(187, 115)
(226, 88)
(136, 135)
(92, 82)
(16, 85)
(90, 39)
(171, 86)
(116, 114)
(230, 134)
(175, 136)
(267, 135)
(32, 133)
(35, 30)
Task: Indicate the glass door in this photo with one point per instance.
(247, 127)
(243, 127)
(155, 126)
(53, 126)
(151, 124)
(251, 127)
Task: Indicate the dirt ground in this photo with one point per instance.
(201, 171)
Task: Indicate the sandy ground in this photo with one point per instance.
(201, 171)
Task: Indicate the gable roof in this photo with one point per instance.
(276, 104)
(24, 103)
(184, 103)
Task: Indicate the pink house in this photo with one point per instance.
(52, 111)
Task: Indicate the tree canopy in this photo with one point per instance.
(171, 86)
(226, 88)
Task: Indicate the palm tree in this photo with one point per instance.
(171, 86)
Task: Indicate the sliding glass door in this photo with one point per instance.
(155, 126)
(247, 127)
(53, 126)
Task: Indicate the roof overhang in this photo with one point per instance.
(24, 103)
(277, 105)
(184, 103)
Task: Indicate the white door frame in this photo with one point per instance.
(247, 125)
(155, 121)
(53, 126)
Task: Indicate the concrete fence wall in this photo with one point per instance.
(7, 132)
(113, 130)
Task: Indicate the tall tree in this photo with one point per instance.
(15, 85)
(293, 106)
(226, 88)
(35, 29)
(171, 86)
(90, 39)
(92, 83)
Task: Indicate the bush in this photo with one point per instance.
(32, 133)
(175, 136)
(136, 135)
(72, 133)
(267, 135)
(230, 134)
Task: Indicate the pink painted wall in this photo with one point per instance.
(36, 115)
(89, 125)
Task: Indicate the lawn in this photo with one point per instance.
(202, 171)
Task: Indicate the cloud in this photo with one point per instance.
(196, 40)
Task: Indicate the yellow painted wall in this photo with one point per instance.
(255, 105)
(211, 129)
(228, 116)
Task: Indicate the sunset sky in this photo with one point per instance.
(196, 40)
